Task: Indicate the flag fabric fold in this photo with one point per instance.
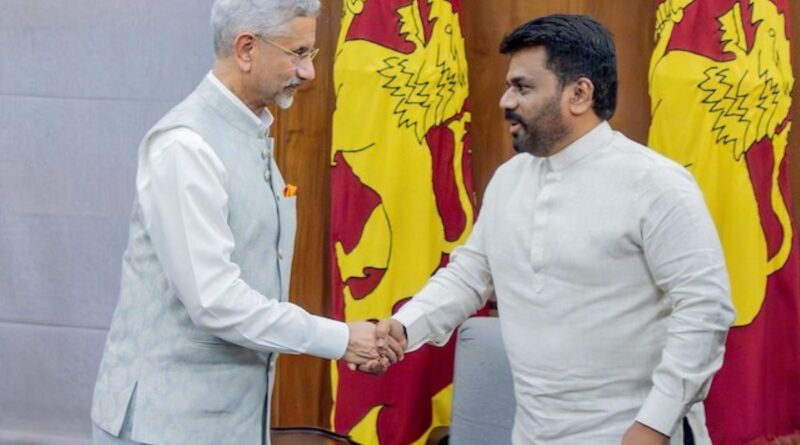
(720, 87)
(402, 198)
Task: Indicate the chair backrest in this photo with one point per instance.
(483, 392)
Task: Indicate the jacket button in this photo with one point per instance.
(280, 254)
(267, 175)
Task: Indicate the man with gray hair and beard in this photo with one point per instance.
(203, 310)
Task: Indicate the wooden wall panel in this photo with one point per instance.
(486, 23)
(794, 136)
(303, 136)
(302, 394)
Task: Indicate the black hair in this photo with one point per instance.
(577, 46)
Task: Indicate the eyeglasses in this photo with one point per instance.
(296, 57)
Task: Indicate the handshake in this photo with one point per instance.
(373, 347)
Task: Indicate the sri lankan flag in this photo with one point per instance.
(720, 85)
(402, 198)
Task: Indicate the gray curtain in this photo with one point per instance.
(80, 83)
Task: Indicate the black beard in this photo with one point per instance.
(539, 135)
(540, 143)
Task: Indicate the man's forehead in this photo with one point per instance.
(526, 71)
(529, 62)
(299, 28)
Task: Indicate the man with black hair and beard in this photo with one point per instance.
(611, 285)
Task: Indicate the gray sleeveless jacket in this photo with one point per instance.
(177, 384)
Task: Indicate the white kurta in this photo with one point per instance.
(180, 183)
(611, 287)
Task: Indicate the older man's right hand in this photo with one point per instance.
(361, 346)
(391, 342)
(370, 351)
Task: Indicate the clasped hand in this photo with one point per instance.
(372, 348)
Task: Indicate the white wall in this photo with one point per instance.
(80, 83)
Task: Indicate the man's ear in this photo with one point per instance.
(243, 47)
(581, 93)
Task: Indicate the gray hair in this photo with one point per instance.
(229, 18)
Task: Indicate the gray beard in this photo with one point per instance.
(284, 101)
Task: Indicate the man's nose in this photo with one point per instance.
(305, 70)
(507, 100)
